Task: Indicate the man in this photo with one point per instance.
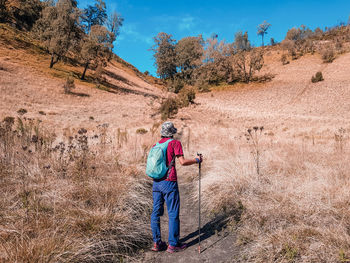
(166, 189)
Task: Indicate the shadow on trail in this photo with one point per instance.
(78, 94)
(209, 229)
(115, 89)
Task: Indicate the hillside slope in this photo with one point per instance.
(27, 82)
(303, 186)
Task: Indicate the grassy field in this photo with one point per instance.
(72, 167)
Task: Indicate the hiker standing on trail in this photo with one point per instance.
(165, 187)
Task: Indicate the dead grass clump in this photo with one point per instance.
(318, 77)
(67, 199)
(170, 107)
(22, 111)
(296, 210)
(284, 59)
(328, 54)
(141, 131)
(186, 97)
(69, 85)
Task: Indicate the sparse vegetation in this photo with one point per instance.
(186, 97)
(276, 224)
(141, 131)
(318, 77)
(328, 54)
(22, 111)
(168, 108)
(284, 59)
(247, 63)
(69, 85)
(253, 137)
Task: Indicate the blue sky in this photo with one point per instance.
(145, 19)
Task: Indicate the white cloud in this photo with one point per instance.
(187, 23)
(131, 32)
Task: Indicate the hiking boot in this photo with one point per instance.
(159, 246)
(178, 248)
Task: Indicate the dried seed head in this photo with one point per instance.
(255, 128)
(249, 131)
(82, 131)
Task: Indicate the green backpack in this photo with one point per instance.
(156, 167)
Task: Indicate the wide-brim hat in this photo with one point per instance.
(168, 129)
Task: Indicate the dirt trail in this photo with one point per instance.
(217, 242)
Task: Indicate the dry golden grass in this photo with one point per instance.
(296, 210)
(69, 199)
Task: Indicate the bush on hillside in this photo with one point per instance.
(175, 85)
(69, 85)
(328, 54)
(168, 108)
(284, 59)
(186, 97)
(246, 64)
(318, 77)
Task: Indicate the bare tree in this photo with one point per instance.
(262, 30)
(114, 23)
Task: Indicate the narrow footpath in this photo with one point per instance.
(217, 242)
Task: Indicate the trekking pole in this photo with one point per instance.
(199, 203)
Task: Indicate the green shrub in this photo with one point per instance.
(318, 77)
(168, 108)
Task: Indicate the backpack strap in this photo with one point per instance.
(172, 163)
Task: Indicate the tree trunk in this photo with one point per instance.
(85, 69)
(53, 60)
(262, 39)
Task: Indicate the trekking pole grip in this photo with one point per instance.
(200, 159)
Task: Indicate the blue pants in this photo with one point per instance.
(169, 192)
